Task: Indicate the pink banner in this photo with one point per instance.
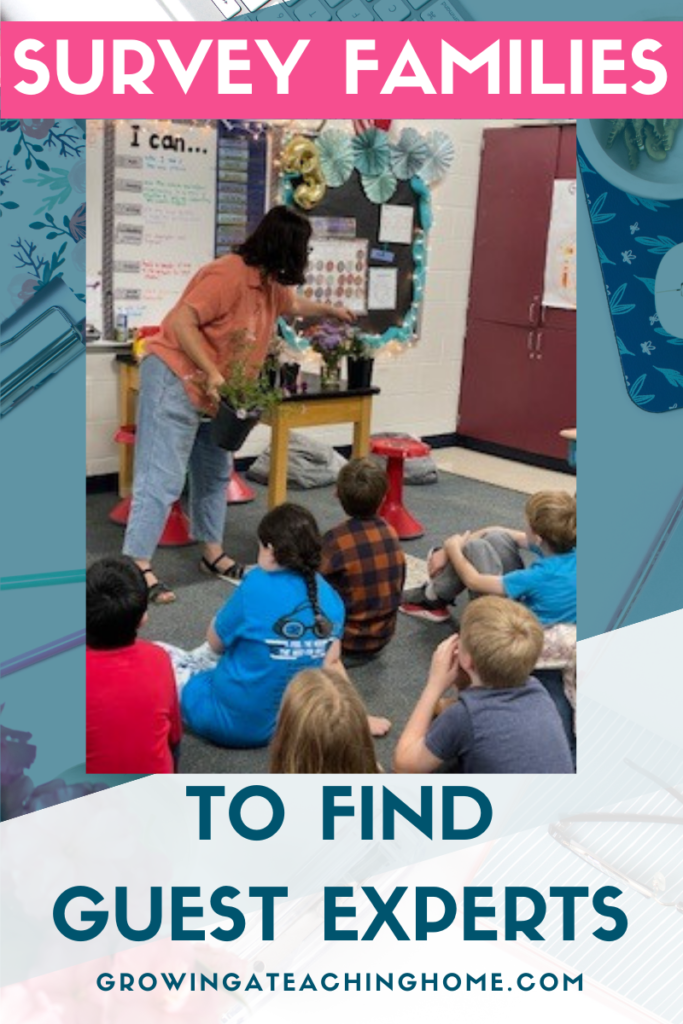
(249, 70)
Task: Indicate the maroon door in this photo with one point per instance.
(515, 194)
(553, 401)
(495, 394)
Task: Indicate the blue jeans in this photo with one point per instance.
(171, 441)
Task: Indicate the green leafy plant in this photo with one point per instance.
(357, 348)
(247, 394)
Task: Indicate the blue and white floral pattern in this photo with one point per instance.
(42, 205)
(630, 250)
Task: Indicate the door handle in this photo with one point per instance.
(533, 307)
(539, 339)
(530, 344)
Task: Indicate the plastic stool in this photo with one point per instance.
(396, 450)
(177, 529)
(238, 492)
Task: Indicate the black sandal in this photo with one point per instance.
(233, 574)
(158, 593)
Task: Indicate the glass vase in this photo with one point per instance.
(330, 376)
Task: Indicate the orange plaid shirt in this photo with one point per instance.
(363, 561)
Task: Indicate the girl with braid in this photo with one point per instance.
(283, 618)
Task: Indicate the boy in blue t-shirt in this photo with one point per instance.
(489, 561)
(503, 720)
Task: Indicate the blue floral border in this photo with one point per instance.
(632, 234)
(42, 206)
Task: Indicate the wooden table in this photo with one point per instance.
(314, 408)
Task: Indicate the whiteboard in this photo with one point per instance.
(161, 191)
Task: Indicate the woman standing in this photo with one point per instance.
(227, 314)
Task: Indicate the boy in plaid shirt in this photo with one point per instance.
(363, 560)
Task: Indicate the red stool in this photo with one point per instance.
(238, 492)
(396, 450)
(177, 529)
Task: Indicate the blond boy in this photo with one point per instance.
(503, 720)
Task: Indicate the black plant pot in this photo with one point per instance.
(289, 375)
(359, 373)
(231, 429)
(269, 375)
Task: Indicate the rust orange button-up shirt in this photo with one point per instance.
(237, 310)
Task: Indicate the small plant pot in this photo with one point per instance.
(269, 375)
(289, 376)
(359, 373)
(230, 429)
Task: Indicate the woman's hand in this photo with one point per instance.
(214, 381)
(343, 314)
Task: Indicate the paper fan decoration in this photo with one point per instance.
(379, 188)
(336, 157)
(408, 154)
(371, 153)
(439, 157)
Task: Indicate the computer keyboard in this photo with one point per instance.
(343, 10)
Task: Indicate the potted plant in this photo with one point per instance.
(360, 361)
(244, 398)
(289, 375)
(271, 364)
(330, 339)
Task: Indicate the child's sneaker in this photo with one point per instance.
(416, 603)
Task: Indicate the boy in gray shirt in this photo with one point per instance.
(503, 720)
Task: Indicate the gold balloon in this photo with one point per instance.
(300, 157)
(309, 194)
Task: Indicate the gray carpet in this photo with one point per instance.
(390, 684)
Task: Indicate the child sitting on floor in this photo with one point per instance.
(502, 721)
(489, 561)
(133, 722)
(322, 727)
(284, 617)
(363, 560)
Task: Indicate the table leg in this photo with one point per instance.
(279, 453)
(126, 418)
(361, 430)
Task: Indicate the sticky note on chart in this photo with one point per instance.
(396, 224)
(382, 288)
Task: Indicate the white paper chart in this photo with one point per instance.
(163, 214)
(337, 272)
(396, 224)
(383, 288)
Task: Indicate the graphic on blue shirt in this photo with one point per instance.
(293, 629)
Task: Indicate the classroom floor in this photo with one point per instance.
(473, 490)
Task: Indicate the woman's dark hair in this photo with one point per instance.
(293, 534)
(115, 603)
(279, 246)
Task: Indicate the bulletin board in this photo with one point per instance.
(349, 201)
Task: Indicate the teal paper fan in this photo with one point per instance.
(439, 157)
(336, 156)
(379, 188)
(371, 153)
(408, 154)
